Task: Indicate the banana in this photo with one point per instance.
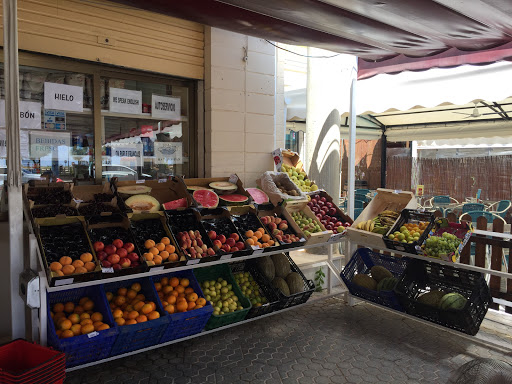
(372, 225)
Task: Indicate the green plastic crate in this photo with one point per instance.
(213, 273)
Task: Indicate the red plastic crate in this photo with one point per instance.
(24, 362)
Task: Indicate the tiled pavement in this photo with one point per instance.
(323, 342)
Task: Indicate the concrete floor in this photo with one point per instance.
(325, 341)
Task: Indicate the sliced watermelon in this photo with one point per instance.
(258, 195)
(206, 198)
(175, 204)
(234, 199)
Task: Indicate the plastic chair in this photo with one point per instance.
(489, 216)
(440, 201)
(360, 196)
(357, 212)
(501, 207)
(468, 207)
(357, 204)
(362, 191)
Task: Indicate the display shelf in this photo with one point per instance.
(143, 116)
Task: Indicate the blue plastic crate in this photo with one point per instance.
(141, 335)
(83, 349)
(183, 324)
(361, 262)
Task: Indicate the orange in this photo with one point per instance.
(109, 296)
(258, 234)
(65, 324)
(201, 301)
(141, 319)
(65, 260)
(87, 328)
(165, 241)
(258, 244)
(167, 289)
(85, 316)
(136, 287)
(85, 322)
(148, 256)
(68, 270)
(129, 308)
(198, 306)
(174, 293)
(154, 251)
(67, 333)
(261, 230)
(182, 306)
(189, 290)
(122, 291)
(192, 297)
(138, 306)
(117, 313)
(181, 295)
(265, 238)
(102, 327)
(160, 247)
(59, 273)
(120, 321)
(153, 305)
(255, 239)
(250, 241)
(76, 329)
(96, 316)
(249, 233)
(170, 308)
(164, 281)
(147, 308)
(88, 305)
(77, 263)
(149, 244)
(81, 270)
(164, 255)
(90, 266)
(158, 287)
(140, 296)
(191, 305)
(170, 248)
(58, 316)
(153, 315)
(86, 257)
(133, 314)
(174, 282)
(185, 282)
(59, 307)
(112, 305)
(157, 259)
(180, 289)
(171, 299)
(271, 242)
(173, 257)
(74, 318)
(96, 324)
(130, 322)
(120, 300)
(58, 332)
(131, 294)
(55, 266)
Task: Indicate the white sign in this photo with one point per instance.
(127, 154)
(168, 153)
(165, 107)
(44, 143)
(54, 120)
(63, 97)
(125, 101)
(23, 144)
(30, 114)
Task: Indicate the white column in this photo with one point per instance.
(352, 149)
(12, 120)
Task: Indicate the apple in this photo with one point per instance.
(272, 226)
(118, 243)
(221, 238)
(328, 227)
(125, 262)
(323, 199)
(329, 204)
(319, 216)
(240, 245)
(106, 264)
(226, 248)
(135, 263)
(217, 243)
(340, 229)
(200, 242)
(320, 203)
(113, 258)
(212, 235)
(347, 224)
(98, 246)
(315, 209)
(133, 257)
(265, 220)
(122, 252)
(110, 249)
(210, 252)
(230, 241)
(117, 267)
(277, 220)
(129, 247)
(234, 236)
(283, 226)
(233, 249)
(102, 255)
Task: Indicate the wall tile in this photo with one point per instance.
(255, 123)
(256, 44)
(259, 142)
(261, 63)
(258, 83)
(227, 121)
(263, 104)
(227, 141)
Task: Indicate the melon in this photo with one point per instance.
(280, 284)
(136, 189)
(364, 281)
(234, 199)
(432, 298)
(258, 195)
(387, 284)
(144, 203)
(453, 301)
(223, 187)
(281, 264)
(175, 204)
(266, 266)
(295, 283)
(192, 188)
(379, 273)
(206, 198)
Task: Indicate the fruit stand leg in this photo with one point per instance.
(329, 259)
(43, 316)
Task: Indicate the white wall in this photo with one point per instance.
(240, 105)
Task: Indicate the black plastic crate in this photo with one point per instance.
(250, 221)
(408, 216)
(265, 289)
(423, 276)
(362, 262)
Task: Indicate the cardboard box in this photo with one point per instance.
(85, 193)
(164, 190)
(271, 210)
(339, 214)
(248, 210)
(296, 206)
(386, 199)
(205, 182)
(137, 219)
(53, 278)
(106, 229)
(288, 157)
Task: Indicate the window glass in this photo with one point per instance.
(139, 142)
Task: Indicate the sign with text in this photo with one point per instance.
(168, 153)
(30, 114)
(55, 120)
(44, 143)
(127, 154)
(23, 144)
(63, 97)
(165, 107)
(125, 101)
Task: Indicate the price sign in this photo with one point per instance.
(165, 107)
(125, 101)
(63, 97)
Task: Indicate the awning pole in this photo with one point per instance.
(352, 149)
(12, 124)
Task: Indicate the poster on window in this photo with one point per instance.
(126, 154)
(30, 114)
(23, 144)
(63, 97)
(55, 120)
(168, 153)
(125, 101)
(49, 143)
(165, 107)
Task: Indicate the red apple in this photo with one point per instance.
(283, 226)
(117, 267)
(234, 236)
(210, 252)
(240, 245)
(230, 241)
(106, 264)
(272, 226)
(98, 246)
(110, 249)
(217, 243)
(221, 238)
(122, 252)
(226, 248)
(102, 255)
(118, 243)
(233, 249)
(265, 220)
(113, 258)
(129, 247)
(125, 262)
(200, 242)
(133, 257)
(277, 220)
(135, 263)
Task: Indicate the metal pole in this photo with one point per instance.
(383, 159)
(12, 123)
(352, 149)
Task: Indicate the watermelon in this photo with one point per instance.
(175, 204)
(453, 301)
(206, 198)
(258, 195)
(223, 187)
(234, 199)
(192, 188)
(387, 284)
